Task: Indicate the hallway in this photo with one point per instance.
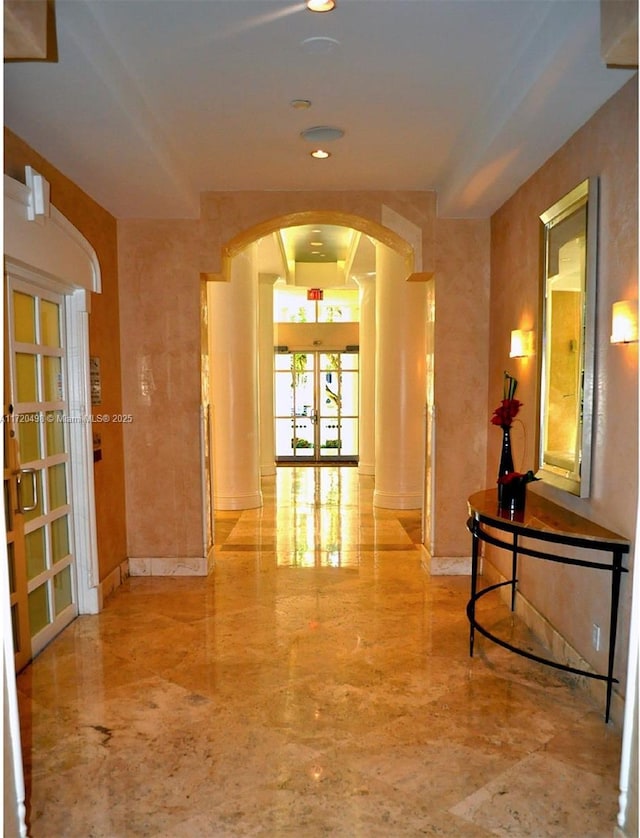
(317, 683)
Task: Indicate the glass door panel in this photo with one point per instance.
(316, 398)
(37, 468)
(15, 550)
(338, 406)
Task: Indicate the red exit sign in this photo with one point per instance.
(314, 293)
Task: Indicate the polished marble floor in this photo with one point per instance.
(317, 683)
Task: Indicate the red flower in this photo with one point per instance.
(506, 413)
(517, 477)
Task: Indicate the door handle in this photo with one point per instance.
(34, 489)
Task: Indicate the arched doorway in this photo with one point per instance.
(229, 371)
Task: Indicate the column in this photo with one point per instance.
(265, 355)
(233, 336)
(400, 396)
(367, 364)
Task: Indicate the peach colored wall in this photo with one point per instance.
(99, 227)
(160, 325)
(461, 336)
(159, 300)
(606, 146)
(225, 215)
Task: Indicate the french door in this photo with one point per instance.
(316, 406)
(37, 468)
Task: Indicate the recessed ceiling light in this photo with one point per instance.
(319, 45)
(316, 244)
(315, 252)
(322, 134)
(321, 5)
(320, 154)
(300, 104)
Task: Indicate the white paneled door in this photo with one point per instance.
(37, 468)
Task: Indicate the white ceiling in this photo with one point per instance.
(154, 101)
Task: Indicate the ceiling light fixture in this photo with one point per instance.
(321, 5)
(322, 134)
(300, 104)
(316, 244)
(320, 154)
(319, 45)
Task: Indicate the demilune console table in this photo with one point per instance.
(545, 523)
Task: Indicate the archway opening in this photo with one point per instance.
(320, 251)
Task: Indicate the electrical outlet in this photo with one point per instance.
(595, 637)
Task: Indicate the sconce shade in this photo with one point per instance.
(521, 344)
(624, 321)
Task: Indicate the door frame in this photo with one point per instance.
(40, 244)
(49, 252)
(316, 415)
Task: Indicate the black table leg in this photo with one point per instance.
(613, 625)
(475, 542)
(514, 570)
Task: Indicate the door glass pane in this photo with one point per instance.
(49, 323)
(38, 609)
(35, 551)
(29, 437)
(55, 432)
(349, 360)
(8, 509)
(62, 589)
(303, 380)
(59, 539)
(52, 373)
(24, 321)
(284, 394)
(12, 567)
(302, 441)
(284, 436)
(26, 371)
(14, 627)
(27, 495)
(57, 486)
(349, 437)
(282, 361)
(349, 393)
(330, 442)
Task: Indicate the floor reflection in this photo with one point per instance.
(317, 683)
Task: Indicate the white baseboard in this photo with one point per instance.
(192, 566)
(445, 565)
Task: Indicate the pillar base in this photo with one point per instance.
(250, 501)
(394, 500)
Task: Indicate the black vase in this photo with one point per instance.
(506, 461)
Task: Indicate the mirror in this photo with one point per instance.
(569, 231)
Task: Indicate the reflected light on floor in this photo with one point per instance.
(308, 689)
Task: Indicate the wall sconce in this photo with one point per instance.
(624, 321)
(521, 344)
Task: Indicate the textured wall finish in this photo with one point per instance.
(606, 146)
(99, 227)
